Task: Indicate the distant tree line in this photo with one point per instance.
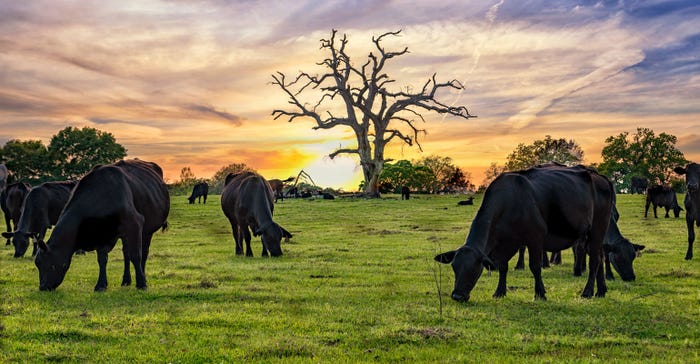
(643, 155)
(71, 153)
(432, 174)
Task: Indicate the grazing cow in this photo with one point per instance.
(691, 202)
(662, 197)
(405, 193)
(638, 185)
(40, 211)
(278, 187)
(13, 198)
(545, 208)
(198, 191)
(248, 203)
(126, 200)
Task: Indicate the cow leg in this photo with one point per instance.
(666, 216)
(126, 277)
(535, 260)
(579, 259)
(502, 273)
(646, 207)
(132, 238)
(595, 275)
(9, 228)
(520, 265)
(608, 271)
(102, 256)
(691, 236)
(145, 250)
(556, 258)
(245, 231)
(656, 217)
(237, 238)
(545, 260)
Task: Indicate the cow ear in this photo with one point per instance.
(487, 262)
(8, 235)
(638, 247)
(679, 170)
(445, 257)
(257, 232)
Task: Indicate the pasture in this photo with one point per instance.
(357, 283)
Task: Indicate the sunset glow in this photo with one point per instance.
(187, 83)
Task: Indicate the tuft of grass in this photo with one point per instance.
(357, 283)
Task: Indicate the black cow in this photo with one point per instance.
(12, 204)
(40, 210)
(126, 200)
(691, 202)
(198, 191)
(638, 185)
(544, 208)
(405, 193)
(660, 196)
(248, 202)
(469, 201)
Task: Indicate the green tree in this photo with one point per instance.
(27, 160)
(646, 154)
(217, 181)
(563, 151)
(75, 151)
(396, 175)
(490, 174)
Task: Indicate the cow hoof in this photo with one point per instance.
(600, 294)
(126, 283)
(100, 289)
(499, 295)
(143, 288)
(587, 294)
(540, 298)
(688, 257)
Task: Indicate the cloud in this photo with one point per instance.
(210, 110)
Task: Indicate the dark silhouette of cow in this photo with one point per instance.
(248, 202)
(198, 191)
(12, 203)
(638, 185)
(40, 210)
(278, 187)
(691, 202)
(467, 202)
(127, 200)
(661, 196)
(545, 208)
(405, 193)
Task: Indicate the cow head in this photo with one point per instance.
(621, 256)
(271, 238)
(52, 267)
(191, 199)
(677, 210)
(20, 240)
(692, 176)
(467, 264)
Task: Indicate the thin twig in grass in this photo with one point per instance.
(437, 275)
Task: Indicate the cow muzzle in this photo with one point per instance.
(460, 297)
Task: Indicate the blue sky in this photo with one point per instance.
(187, 83)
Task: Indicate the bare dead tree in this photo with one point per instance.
(376, 114)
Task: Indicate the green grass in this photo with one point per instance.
(355, 284)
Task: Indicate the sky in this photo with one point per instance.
(187, 83)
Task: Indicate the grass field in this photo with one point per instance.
(357, 283)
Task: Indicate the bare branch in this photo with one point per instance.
(343, 151)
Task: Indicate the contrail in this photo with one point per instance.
(476, 55)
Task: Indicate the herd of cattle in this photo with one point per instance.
(547, 208)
